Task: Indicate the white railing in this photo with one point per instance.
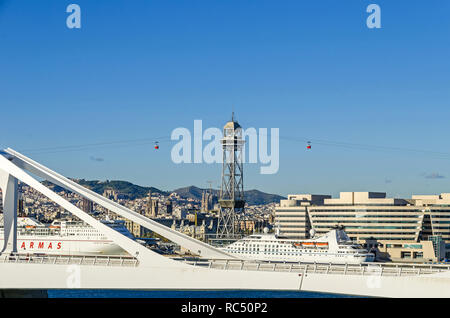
(71, 259)
(369, 269)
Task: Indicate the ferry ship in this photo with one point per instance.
(65, 237)
(333, 247)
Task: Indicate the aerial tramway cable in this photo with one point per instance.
(166, 139)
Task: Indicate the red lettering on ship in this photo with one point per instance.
(41, 245)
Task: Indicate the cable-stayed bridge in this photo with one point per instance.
(145, 269)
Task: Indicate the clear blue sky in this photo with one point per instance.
(139, 69)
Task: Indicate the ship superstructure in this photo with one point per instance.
(333, 247)
(66, 237)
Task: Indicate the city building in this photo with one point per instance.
(415, 229)
(20, 206)
(251, 225)
(198, 232)
(134, 228)
(180, 213)
(111, 194)
(208, 201)
(152, 207)
(87, 205)
(169, 207)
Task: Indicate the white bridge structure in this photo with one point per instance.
(147, 270)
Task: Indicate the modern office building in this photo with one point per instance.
(400, 229)
(292, 215)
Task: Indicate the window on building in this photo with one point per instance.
(405, 254)
(418, 255)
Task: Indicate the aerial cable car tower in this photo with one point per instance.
(231, 200)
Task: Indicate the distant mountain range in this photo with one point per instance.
(132, 191)
(252, 197)
(129, 189)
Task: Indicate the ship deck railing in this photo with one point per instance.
(368, 269)
(71, 260)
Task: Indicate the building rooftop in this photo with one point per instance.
(363, 198)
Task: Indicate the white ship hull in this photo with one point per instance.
(323, 259)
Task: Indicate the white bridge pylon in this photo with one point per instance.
(13, 167)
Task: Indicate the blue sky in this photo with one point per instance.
(311, 68)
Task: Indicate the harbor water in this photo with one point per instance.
(77, 293)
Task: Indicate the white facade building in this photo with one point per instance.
(368, 217)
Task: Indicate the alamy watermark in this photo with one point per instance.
(373, 279)
(73, 279)
(374, 19)
(254, 148)
(73, 21)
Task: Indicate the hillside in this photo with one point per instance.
(126, 188)
(133, 191)
(252, 197)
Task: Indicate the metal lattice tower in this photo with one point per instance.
(231, 198)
